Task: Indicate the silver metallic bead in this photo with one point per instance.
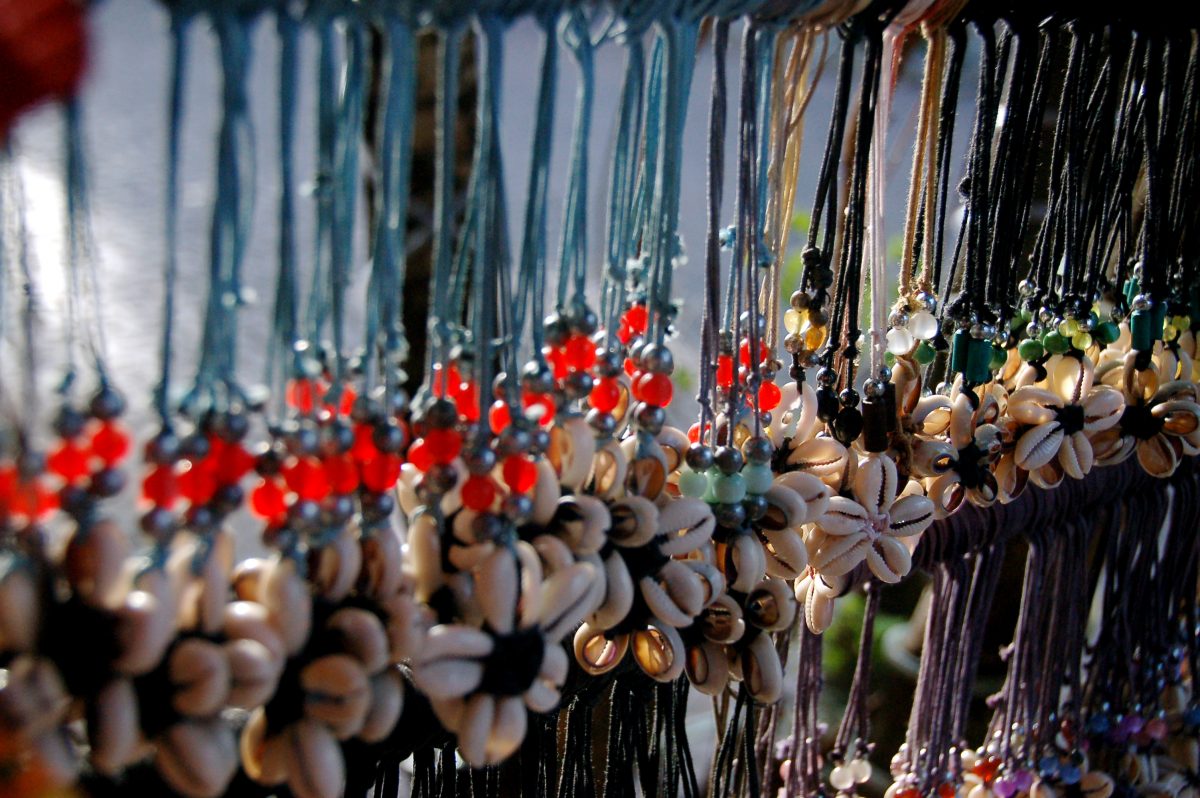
(1026, 288)
(658, 359)
(898, 318)
(875, 388)
(1141, 302)
(927, 301)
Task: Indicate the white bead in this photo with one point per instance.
(861, 769)
(899, 341)
(923, 325)
(841, 777)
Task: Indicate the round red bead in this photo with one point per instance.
(636, 318)
(499, 416)
(342, 473)
(268, 500)
(306, 478)
(655, 389)
(769, 396)
(541, 406)
(197, 483)
(466, 398)
(556, 356)
(580, 352)
(443, 444)
(161, 487)
(744, 353)
(364, 443)
(520, 473)
(478, 493)
(381, 474)
(110, 443)
(69, 461)
(233, 463)
(606, 394)
(724, 371)
(630, 367)
(420, 456)
(302, 395)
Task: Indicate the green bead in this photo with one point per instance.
(925, 353)
(889, 359)
(710, 495)
(729, 488)
(960, 347)
(1184, 323)
(1055, 343)
(1132, 288)
(1141, 330)
(692, 483)
(979, 360)
(758, 477)
(999, 357)
(1030, 350)
(1081, 341)
(1106, 332)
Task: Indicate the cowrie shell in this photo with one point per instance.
(1095, 784)
(572, 448)
(1071, 378)
(618, 594)
(145, 627)
(288, 602)
(1102, 409)
(647, 473)
(423, 557)
(931, 416)
(362, 636)
(658, 651)
(336, 565)
(382, 562)
(673, 599)
(761, 671)
(911, 514)
(1157, 456)
(546, 492)
(582, 521)
(248, 577)
(674, 444)
(315, 765)
(809, 488)
(687, 523)
(634, 521)
(787, 556)
(821, 457)
(250, 620)
(564, 600)
(553, 553)
(721, 621)
(888, 559)
(265, 759)
(253, 673)
(1039, 445)
(20, 606)
(1075, 455)
(94, 562)
(33, 699)
(113, 727)
(199, 673)
(479, 713)
(839, 554)
(1034, 406)
(742, 561)
(708, 667)
(508, 730)
(337, 693)
(596, 653)
(771, 606)
(197, 757)
(609, 467)
(876, 483)
(387, 702)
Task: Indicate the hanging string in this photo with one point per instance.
(281, 354)
(573, 253)
(712, 256)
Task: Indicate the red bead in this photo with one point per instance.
(908, 792)
(232, 463)
(269, 500)
(520, 473)
(769, 396)
(349, 397)
(420, 456)
(110, 443)
(69, 461)
(161, 487)
(364, 443)
(8, 483)
(540, 406)
(197, 483)
(744, 353)
(443, 444)
(31, 499)
(946, 790)
(302, 395)
(381, 474)
(342, 473)
(478, 493)
(637, 318)
(605, 395)
(306, 478)
(580, 352)
(556, 356)
(724, 370)
(630, 366)
(987, 768)
(499, 416)
(466, 398)
(635, 384)
(655, 389)
(624, 333)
